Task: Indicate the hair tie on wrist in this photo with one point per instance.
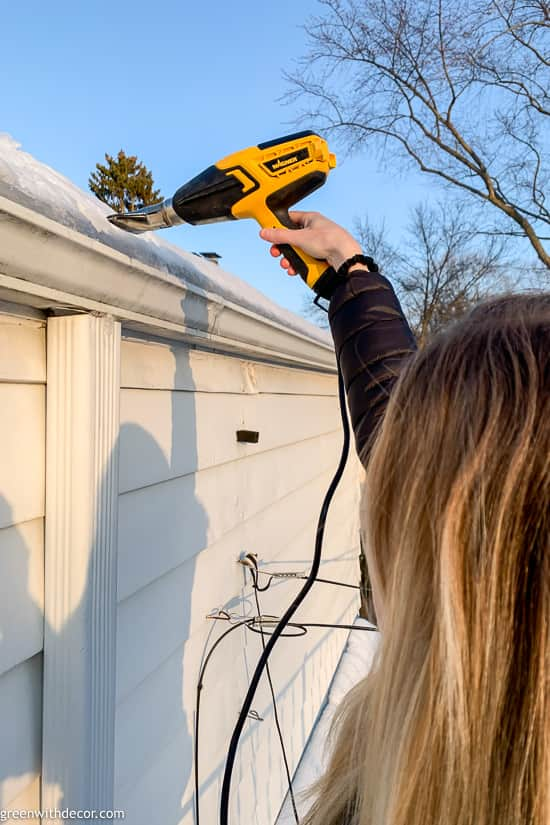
(369, 262)
(331, 279)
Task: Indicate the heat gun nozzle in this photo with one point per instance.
(158, 216)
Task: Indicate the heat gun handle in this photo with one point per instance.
(308, 268)
(318, 275)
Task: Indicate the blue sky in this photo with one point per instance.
(181, 85)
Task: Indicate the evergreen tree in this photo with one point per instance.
(124, 183)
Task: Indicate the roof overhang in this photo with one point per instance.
(46, 265)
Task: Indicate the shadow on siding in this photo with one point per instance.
(164, 736)
(154, 742)
(155, 735)
(154, 729)
(21, 677)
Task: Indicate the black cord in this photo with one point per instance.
(339, 584)
(303, 626)
(274, 702)
(257, 588)
(250, 624)
(256, 676)
(341, 626)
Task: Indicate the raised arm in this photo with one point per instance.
(372, 338)
(373, 341)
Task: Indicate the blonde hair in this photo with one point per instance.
(452, 727)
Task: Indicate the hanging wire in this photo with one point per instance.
(256, 625)
(200, 684)
(253, 624)
(274, 702)
(300, 577)
(278, 630)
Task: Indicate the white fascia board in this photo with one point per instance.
(46, 264)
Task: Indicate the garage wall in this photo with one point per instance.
(191, 501)
(22, 494)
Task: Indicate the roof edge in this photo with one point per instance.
(48, 265)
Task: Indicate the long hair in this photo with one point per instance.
(452, 726)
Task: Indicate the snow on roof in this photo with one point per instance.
(32, 184)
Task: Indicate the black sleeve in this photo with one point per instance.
(373, 342)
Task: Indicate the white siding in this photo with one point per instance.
(22, 451)
(192, 500)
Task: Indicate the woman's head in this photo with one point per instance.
(458, 465)
(453, 725)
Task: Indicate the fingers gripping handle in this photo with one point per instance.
(318, 275)
(308, 268)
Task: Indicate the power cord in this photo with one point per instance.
(272, 640)
(275, 711)
(249, 624)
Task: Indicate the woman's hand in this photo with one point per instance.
(315, 235)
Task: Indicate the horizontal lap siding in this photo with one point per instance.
(20, 723)
(206, 429)
(195, 511)
(22, 493)
(191, 501)
(149, 365)
(288, 546)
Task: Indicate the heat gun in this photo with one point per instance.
(261, 182)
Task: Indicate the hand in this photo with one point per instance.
(315, 235)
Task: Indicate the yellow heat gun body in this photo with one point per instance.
(261, 182)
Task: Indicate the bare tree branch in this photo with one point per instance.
(444, 270)
(461, 91)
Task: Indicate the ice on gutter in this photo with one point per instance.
(29, 183)
(354, 665)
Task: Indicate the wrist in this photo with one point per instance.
(337, 258)
(357, 263)
(332, 278)
(357, 268)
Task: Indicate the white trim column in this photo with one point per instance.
(83, 382)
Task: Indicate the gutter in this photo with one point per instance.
(50, 266)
